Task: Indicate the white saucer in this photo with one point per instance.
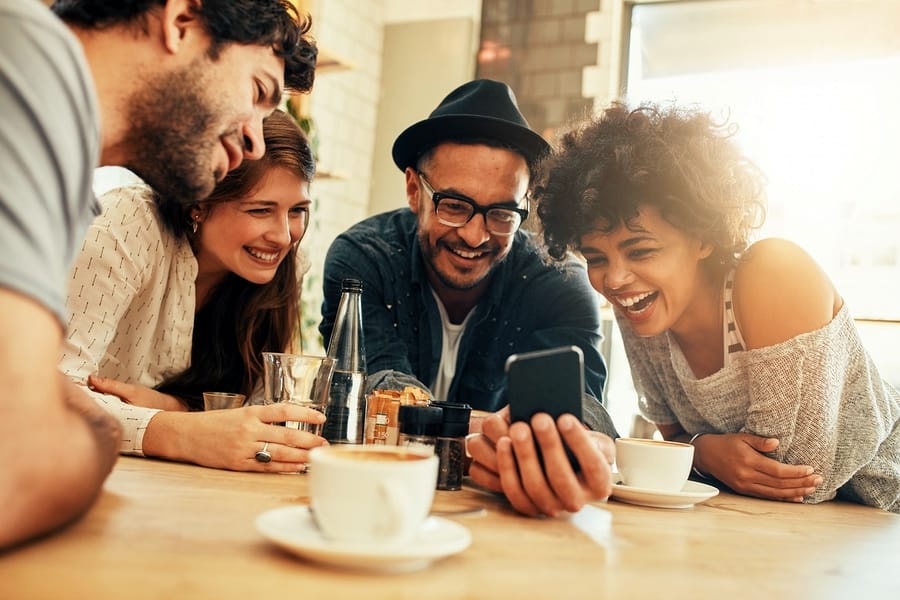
(292, 528)
(692, 493)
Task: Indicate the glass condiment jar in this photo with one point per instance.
(450, 445)
(419, 426)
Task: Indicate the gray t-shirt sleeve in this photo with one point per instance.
(49, 140)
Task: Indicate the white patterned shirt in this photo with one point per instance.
(130, 304)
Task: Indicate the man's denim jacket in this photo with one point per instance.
(529, 305)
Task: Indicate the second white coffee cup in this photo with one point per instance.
(371, 494)
(654, 464)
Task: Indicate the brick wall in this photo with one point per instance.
(539, 47)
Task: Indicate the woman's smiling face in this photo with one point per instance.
(250, 237)
(650, 271)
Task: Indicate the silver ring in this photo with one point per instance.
(263, 455)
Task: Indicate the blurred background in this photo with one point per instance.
(813, 85)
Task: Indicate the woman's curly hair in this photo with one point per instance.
(677, 160)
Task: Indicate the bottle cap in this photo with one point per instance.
(351, 285)
(455, 422)
(420, 420)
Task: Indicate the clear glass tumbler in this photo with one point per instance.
(298, 379)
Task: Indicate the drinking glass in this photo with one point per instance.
(220, 400)
(298, 379)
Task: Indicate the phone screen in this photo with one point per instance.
(549, 381)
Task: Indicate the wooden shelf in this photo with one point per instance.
(330, 175)
(327, 62)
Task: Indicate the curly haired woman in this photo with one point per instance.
(747, 351)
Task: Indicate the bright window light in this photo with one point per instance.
(819, 119)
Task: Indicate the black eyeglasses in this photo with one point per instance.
(455, 210)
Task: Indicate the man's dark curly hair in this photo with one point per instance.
(679, 161)
(274, 23)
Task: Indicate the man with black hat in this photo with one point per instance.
(452, 286)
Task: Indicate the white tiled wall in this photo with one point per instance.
(344, 106)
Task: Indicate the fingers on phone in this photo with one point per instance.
(495, 427)
(483, 452)
(510, 482)
(544, 483)
(485, 477)
(595, 466)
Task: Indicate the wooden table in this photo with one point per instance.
(166, 530)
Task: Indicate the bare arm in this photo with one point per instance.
(229, 439)
(56, 444)
(739, 460)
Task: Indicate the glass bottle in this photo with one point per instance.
(346, 410)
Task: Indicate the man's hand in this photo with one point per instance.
(739, 461)
(505, 460)
(136, 394)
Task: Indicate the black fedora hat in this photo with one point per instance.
(482, 108)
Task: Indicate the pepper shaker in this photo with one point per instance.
(450, 445)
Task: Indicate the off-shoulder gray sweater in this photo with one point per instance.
(819, 393)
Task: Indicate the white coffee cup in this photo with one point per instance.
(371, 494)
(654, 464)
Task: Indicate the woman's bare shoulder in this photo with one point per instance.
(781, 292)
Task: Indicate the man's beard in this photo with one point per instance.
(173, 139)
(428, 254)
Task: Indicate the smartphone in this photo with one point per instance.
(549, 381)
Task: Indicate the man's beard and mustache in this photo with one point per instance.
(464, 283)
(173, 136)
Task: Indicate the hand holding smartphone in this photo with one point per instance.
(549, 381)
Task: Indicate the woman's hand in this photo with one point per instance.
(739, 461)
(136, 394)
(505, 460)
(230, 438)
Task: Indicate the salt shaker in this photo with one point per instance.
(419, 426)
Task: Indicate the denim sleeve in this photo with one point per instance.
(576, 309)
(596, 418)
(393, 380)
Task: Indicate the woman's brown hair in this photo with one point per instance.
(240, 320)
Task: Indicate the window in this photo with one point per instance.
(813, 86)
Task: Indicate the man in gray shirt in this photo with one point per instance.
(174, 90)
